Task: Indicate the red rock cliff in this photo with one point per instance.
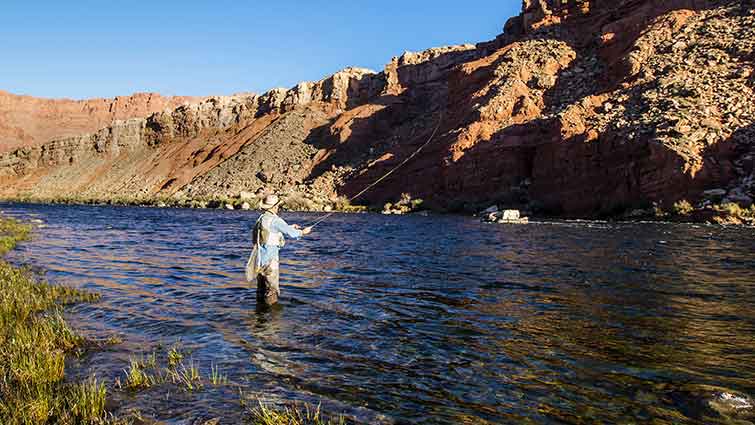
(579, 108)
(28, 121)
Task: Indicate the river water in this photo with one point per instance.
(414, 319)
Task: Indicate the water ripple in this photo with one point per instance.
(421, 319)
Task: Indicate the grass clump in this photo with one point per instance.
(682, 207)
(216, 376)
(168, 368)
(343, 204)
(405, 205)
(87, 401)
(294, 415)
(187, 376)
(175, 355)
(34, 340)
(11, 233)
(137, 377)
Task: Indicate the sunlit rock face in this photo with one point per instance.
(28, 121)
(578, 107)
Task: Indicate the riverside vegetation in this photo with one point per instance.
(34, 343)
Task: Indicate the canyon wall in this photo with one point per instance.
(27, 121)
(579, 108)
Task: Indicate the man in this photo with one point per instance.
(267, 237)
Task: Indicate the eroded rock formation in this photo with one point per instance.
(580, 108)
(28, 121)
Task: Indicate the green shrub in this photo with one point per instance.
(682, 207)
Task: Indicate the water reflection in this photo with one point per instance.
(422, 319)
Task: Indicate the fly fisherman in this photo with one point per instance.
(267, 237)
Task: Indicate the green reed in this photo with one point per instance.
(34, 341)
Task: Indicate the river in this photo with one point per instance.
(412, 319)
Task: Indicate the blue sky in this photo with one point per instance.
(82, 49)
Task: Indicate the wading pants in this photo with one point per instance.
(267, 284)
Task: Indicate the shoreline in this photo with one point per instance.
(730, 214)
(38, 342)
(151, 376)
(35, 341)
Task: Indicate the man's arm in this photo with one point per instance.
(281, 226)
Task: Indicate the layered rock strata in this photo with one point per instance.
(579, 108)
(29, 121)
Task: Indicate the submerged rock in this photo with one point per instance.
(733, 405)
(715, 193)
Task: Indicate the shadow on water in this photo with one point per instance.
(418, 319)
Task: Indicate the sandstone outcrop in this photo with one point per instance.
(29, 121)
(579, 108)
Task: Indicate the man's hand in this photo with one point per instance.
(306, 230)
(296, 226)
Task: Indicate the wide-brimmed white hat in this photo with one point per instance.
(269, 201)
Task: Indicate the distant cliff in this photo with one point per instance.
(579, 108)
(28, 121)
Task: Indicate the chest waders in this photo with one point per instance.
(267, 276)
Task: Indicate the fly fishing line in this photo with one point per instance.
(386, 175)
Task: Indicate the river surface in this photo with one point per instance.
(414, 319)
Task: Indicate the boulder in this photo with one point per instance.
(505, 216)
(636, 213)
(733, 405)
(246, 196)
(739, 196)
(510, 215)
(714, 193)
(264, 178)
(490, 209)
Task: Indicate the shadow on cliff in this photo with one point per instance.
(599, 174)
(587, 174)
(533, 161)
(380, 141)
(387, 129)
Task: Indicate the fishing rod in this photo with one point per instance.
(385, 176)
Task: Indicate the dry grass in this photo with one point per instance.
(263, 414)
(731, 213)
(682, 207)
